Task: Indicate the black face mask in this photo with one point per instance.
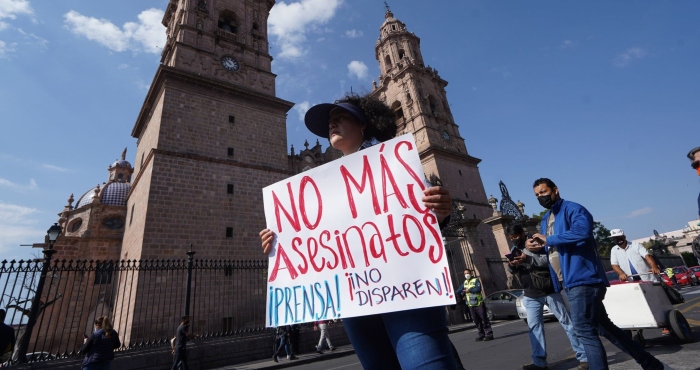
(546, 201)
(518, 243)
(620, 241)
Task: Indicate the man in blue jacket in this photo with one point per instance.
(568, 228)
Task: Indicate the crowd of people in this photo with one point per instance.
(561, 260)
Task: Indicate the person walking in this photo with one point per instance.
(630, 259)
(283, 333)
(672, 276)
(694, 156)
(322, 326)
(540, 287)
(569, 228)
(7, 338)
(471, 290)
(99, 347)
(180, 348)
(388, 340)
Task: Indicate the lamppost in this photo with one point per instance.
(51, 235)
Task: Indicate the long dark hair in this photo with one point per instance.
(382, 121)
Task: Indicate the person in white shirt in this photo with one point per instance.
(629, 259)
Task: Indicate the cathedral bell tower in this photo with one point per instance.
(211, 134)
(416, 94)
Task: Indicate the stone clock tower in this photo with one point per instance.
(211, 134)
(416, 94)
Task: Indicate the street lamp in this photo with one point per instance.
(52, 235)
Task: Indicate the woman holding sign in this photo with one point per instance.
(410, 339)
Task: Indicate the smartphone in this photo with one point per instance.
(510, 256)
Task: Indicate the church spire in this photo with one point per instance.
(388, 13)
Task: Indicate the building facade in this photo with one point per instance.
(211, 134)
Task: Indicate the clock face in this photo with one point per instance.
(445, 135)
(308, 159)
(230, 63)
(114, 223)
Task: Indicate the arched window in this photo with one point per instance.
(255, 26)
(433, 104)
(398, 110)
(228, 21)
(402, 53)
(120, 178)
(387, 62)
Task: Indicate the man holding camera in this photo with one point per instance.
(540, 286)
(569, 228)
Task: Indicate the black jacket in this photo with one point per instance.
(100, 348)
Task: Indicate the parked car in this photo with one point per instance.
(683, 277)
(696, 271)
(502, 304)
(522, 312)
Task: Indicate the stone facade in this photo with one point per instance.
(211, 134)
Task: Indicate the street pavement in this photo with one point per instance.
(511, 348)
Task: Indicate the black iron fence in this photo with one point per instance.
(53, 305)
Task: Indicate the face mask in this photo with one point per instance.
(620, 241)
(467, 276)
(518, 242)
(546, 201)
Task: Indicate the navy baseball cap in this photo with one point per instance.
(316, 118)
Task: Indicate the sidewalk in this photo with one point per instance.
(308, 358)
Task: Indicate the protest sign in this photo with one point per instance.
(353, 238)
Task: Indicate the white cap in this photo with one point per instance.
(616, 232)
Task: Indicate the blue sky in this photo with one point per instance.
(600, 96)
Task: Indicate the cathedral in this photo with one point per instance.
(212, 133)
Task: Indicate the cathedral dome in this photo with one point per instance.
(121, 163)
(112, 194)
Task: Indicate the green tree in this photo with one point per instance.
(538, 216)
(689, 258)
(602, 239)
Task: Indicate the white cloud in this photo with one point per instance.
(123, 66)
(639, 212)
(567, 44)
(142, 85)
(353, 34)
(289, 23)
(147, 35)
(5, 49)
(36, 39)
(4, 25)
(9, 184)
(628, 56)
(301, 109)
(54, 168)
(503, 71)
(357, 69)
(17, 225)
(11, 8)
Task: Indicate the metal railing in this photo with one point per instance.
(53, 304)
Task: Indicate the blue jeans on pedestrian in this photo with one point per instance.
(535, 321)
(591, 320)
(413, 339)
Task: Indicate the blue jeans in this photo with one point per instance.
(591, 320)
(413, 339)
(535, 321)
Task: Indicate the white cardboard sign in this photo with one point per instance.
(353, 238)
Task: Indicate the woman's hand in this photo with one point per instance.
(438, 199)
(267, 236)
